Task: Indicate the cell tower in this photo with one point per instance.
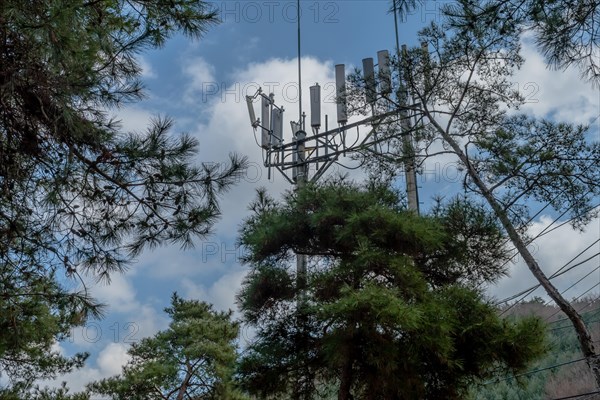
(323, 148)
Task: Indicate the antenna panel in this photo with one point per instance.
(253, 121)
(277, 124)
(295, 128)
(265, 120)
(340, 91)
(315, 106)
(385, 77)
(369, 76)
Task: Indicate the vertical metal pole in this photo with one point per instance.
(300, 166)
(408, 147)
(299, 69)
(301, 179)
(410, 173)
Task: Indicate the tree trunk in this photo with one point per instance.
(186, 381)
(346, 380)
(585, 340)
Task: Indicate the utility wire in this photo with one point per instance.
(578, 281)
(570, 326)
(561, 271)
(545, 231)
(557, 341)
(576, 395)
(535, 371)
(578, 311)
(575, 299)
(554, 275)
(538, 235)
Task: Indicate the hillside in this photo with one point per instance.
(561, 374)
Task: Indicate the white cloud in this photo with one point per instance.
(119, 295)
(109, 363)
(170, 262)
(146, 322)
(221, 293)
(147, 70)
(562, 94)
(552, 251)
(228, 129)
(133, 119)
(112, 358)
(216, 277)
(202, 77)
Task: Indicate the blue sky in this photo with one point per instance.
(202, 85)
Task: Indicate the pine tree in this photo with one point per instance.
(192, 359)
(391, 309)
(466, 104)
(78, 195)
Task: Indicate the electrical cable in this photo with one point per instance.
(576, 395)
(571, 326)
(575, 299)
(542, 233)
(580, 310)
(555, 274)
(559, 272)
(535, 371)
(579, 280)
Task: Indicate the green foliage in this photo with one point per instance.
(77, 194)
(477, 250)
(564, 30)
(566, 378)
(541, 160)
(35, 312)
(36, 393)
(77, 191)
(463, 88)
(379, 318)
(193, 358)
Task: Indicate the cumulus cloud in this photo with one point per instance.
(228, 129)
(147, 70)
(212, 272)
(562, 95)
(220, 293)
(133, 118)
(112, 358)
(553, 251)
(109, 363)
(119, 294)
(201, 75)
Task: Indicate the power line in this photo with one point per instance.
(559, 272)
(579, 280)
(528, 222)
(535, 371)
(544, 232)
(571, 326)
(575, 299)
(576, 395)
(538, 235)
(578, 311)
(588, 323)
